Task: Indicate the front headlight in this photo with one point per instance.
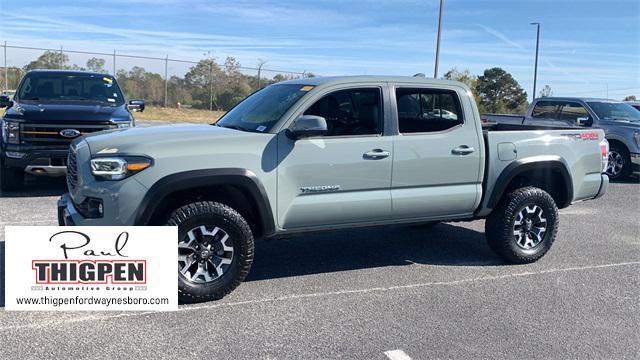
(10, 132)
(636, 138)
(118, 168)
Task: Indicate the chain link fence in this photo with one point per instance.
(167, 82)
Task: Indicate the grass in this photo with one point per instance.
(175, 115)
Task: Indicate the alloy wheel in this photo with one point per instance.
(205, 254)
(615, 163)
(529, 227)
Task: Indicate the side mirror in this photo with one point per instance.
(584, 121)
(308, 126)
(136, 105)
(5, 101)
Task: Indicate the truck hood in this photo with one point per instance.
(621, 125)
(168, 140)
(67, 112)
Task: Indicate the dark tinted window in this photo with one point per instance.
(424, 110)
(545, 109)
(350, 112)
(52, 86)
(571, 111)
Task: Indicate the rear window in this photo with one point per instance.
(51, 86)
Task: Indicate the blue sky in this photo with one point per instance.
(586, 48)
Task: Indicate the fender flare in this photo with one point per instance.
(242, 178)
(550, 162)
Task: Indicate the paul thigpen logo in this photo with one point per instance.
(116, 269)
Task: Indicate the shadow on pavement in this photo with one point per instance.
(38, 186)
(336, 251)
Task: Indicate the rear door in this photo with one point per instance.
(345, 176)
(437, 154)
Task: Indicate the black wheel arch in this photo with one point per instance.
(239, 178)
(546, 168)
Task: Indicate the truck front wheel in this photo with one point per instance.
(215, 250)
(10, 178)
(522, 228)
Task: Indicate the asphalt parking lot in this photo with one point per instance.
(430, 293)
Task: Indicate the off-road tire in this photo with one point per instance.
(11, 178)
(211, 213)
(499, 225)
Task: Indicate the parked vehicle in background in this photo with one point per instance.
(619, 120)
(635, 104)
(325, 153)
(8, 93)
(51, 108)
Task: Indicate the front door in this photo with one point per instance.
(343, 177)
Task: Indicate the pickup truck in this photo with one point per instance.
(48, 110)
(619, 120)
(327, 153)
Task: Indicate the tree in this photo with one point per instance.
(498, 91)
(96, 64)
(630, 98)
(464, 76)
(546, 91)
(49, 60)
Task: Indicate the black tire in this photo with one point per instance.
(499, 226)
(214, 214)
(11, 178)
(621, 153)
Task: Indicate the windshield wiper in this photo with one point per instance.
(235, 127)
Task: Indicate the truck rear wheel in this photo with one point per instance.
(10, 178)
(522, 228)
(215, 250)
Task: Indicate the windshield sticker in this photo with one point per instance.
(261, 128)
(306, 88)
(107, 80)
(111, 100)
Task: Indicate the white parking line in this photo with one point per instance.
(397, 355)
(326, 294)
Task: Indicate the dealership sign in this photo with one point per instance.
(91, 268)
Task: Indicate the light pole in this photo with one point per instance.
(535, 70)
(435, 70)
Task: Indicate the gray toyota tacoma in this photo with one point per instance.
(326, 153)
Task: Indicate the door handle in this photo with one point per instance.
(376, 154)
(463, 150)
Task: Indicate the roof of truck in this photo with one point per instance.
(570, 98)
(63, 71)
(329, 80)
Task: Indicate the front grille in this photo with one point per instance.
(72, 169)
(50, 134)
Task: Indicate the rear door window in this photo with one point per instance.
(427, 110)
(545, 110)
(571, 111)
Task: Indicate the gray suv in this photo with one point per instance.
(619, 120)
(327, 153)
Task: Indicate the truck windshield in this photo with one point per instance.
(615, 111)
(262, 110)
(54, 87)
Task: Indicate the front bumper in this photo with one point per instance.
(38, 161)
(64, 215)
(635, 162)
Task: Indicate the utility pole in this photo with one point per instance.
(6, 70)
(114, 62)
(61, 57)
(166, 80)
(435, 70)
(535, 69)
(261, 63)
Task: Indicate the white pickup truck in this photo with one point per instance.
(327, 153)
